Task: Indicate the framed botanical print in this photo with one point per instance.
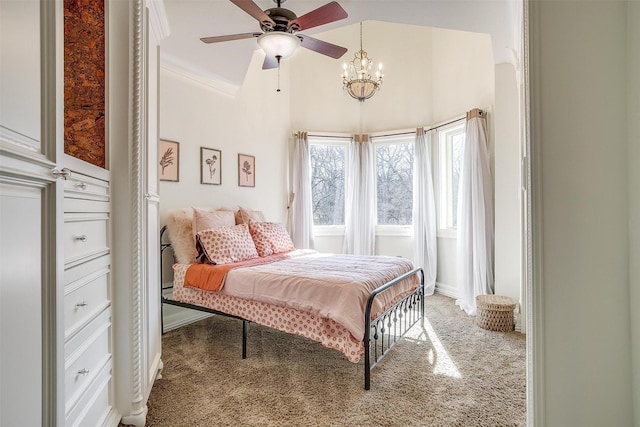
(210, 166)
(246, 170)
(169, 160)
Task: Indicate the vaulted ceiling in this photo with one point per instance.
(227, 62)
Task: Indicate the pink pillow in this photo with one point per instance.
(204, 219)
(270, 238)
(243, 216)
(227, 244)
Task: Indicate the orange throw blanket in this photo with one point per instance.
(211, 277)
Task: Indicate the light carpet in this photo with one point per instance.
(449, 373)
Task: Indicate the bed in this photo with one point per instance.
(360, 306)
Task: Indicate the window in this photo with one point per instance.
(328, 161)
(394, 179)
(450, 148)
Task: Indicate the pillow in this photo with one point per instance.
(227, 244)
(204, 219)
(270, 238)
(181, 235)
(243, 216)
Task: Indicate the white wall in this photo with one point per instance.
(255, 122)
(463, 73)
(579, 135)
(633, 97)
(508, 235)
(318, 102)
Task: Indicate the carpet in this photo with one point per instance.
(449, 373)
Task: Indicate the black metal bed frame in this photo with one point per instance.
(380, 334)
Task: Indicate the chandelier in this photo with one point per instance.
(356, 75)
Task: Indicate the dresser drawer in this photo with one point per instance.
(84, 299)
(94, 405)
(85, 236)
(76, 273)
(84, 364)
(86, 187)
(83, 205)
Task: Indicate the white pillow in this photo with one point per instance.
(204, 219)
(244, 216)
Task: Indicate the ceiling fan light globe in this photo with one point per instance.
(277, 43)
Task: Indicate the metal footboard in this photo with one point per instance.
(383, 332)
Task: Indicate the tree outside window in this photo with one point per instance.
(328, 183)
(394, 182)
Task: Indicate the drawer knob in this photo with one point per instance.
(82, 238)
(83, 371)
(82, 304)
(63, 173)
(81, 185)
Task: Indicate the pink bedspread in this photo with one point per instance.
(329, 286)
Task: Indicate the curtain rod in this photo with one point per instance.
(447, 123)
(326, 135)
(425, 128)
(452, 121)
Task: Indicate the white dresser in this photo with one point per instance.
(88, 339)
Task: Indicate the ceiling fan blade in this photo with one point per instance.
(252, 9)
(330, 12)
(218, 39)
(269, 63)
(322, 47)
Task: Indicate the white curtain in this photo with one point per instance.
(302, 204)
(424, 211)
(360, 205)
(475, 216)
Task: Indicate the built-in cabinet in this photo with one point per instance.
(88, 339)
(80, 339)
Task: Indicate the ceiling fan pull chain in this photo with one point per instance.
(278, 57)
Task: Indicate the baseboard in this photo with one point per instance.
(447, 290)
(112, 419)
(181, 317)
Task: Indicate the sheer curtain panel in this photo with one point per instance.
(424, 211)
(360, 212)
(302, 204)
(475, 216)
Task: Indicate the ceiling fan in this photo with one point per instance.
(279, 37)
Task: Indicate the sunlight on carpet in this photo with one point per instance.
(438, 356)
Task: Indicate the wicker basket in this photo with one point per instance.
(495, 312)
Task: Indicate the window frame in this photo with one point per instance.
(403, 230)
(443, 183)
(332, 140)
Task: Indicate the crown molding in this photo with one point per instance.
(174, 65)
(158, 19)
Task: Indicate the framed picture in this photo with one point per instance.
(246, 170)
(169, 160)
(210, 166)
